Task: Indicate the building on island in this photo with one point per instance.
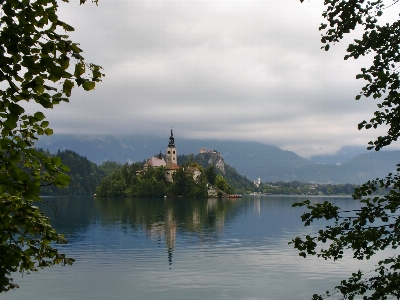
(195, 171)
(171, 153)
(170, 169)
(155, 161)
(170, 163)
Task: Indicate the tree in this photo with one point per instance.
(150, 182)
(37, 64)
(183, 184)
(210, 174)
(223, 185)
(375, 226)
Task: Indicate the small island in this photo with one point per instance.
(161, 176)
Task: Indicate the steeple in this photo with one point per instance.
(171, 154)
(171, 140)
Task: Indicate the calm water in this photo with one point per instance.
(182, 249)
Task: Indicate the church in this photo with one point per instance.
(171, 159)
(170, 163)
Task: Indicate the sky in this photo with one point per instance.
(230, 70)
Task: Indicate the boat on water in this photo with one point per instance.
(234, 196)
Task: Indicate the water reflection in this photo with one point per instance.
(69, 215)
(166, 221)
(160, 219)
(182, 249)
(257, 206)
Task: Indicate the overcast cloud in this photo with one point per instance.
(243, 70)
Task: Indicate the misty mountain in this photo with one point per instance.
(342, 156)
(251, 159)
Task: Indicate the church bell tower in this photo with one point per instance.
(171, 154)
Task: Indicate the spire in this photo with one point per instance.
(171, 139)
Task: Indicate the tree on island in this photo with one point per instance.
(210, 174)
(375, 226)
(37, 64)
(150, 182)
(134, 180)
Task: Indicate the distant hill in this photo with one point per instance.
(85, 176)
(251, 159)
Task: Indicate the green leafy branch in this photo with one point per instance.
(380, 40)
(359, 234)
(26, 240)
(40, 65)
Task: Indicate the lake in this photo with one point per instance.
(128, 248)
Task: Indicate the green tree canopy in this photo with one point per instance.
(37, 64)
(223, 185)
(374, 227)
(210, 174)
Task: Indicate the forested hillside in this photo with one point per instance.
(85, 175)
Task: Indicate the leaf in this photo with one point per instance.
(39, 89)
(67, 87)
(88, 85)
(62, 180)
(44, 124)
(15, 109)
(79, 69)
(39, 116)
(48, 131)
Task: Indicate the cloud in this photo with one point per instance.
(246, 70)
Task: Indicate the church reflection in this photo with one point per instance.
(162, 220)
(202, 218)
(165, 231)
